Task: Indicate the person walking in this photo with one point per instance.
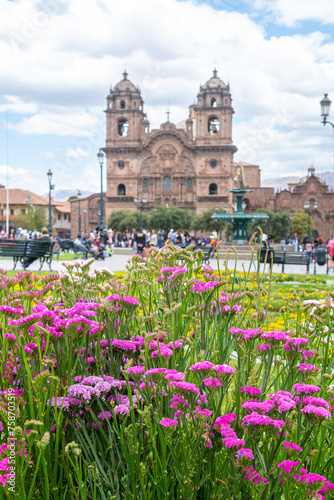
(154, 238)
(140, 240)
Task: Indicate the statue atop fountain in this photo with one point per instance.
(239, 219)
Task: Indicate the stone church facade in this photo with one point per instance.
(189, 165)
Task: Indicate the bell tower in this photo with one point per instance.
(126, 121)
(127, 130)
(213, 112)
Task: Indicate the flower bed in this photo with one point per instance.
(165, 382)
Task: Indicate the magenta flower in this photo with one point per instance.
(223, 370)
(288, 466)
(307, 368)
(184, 387)
(202, 366)
(275, 337)
(225, 419)
(292, 446)
(169, 423)
(164, 352)
(305, 389)
(244, 453)
(254, 392)
(263, 407)
(135, 370)
(310, 400)
(263, 347)
(212, 382)
(233, 442)
(316, 411)
(178, 376)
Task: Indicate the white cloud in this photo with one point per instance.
(291, 12)
(58, 58)
(78, 124)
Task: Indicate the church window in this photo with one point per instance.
(213, 125)
(189, 183)
(145, 183)
(213, 189)
(122, 104)
(121, 164)
(121, 190)
(134, 104)
(123, 127)
(109, 105)
(199, 102)
(213, 103)
(166, 185)
(213, 163)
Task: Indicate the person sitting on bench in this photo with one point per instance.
(29, 260)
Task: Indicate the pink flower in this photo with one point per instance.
(202, 366)
(233, 442)
(263, 407)
(167, 422)
(184, 387)
(212, 382)
(288, 465)
(264, 347)
(307, 368)
(305, 389)
(316, 411)
(244, 453)
(251, 391)
(292, 446)
(310, 400)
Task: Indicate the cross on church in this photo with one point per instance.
(168, 113)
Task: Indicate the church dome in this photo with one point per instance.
(214, 82)
(125, 85)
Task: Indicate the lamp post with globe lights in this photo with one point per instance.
(100, 156)
(84, 211)
(51, 187)
(79, 194)
(325, 105)
(141, 205)
(309, 211)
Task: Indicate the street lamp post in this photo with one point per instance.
(84, 211)
(141, 205)
(325, 105)
(309, 211)
(79, 194)
(100, 156)
(1, 216)
(51, 187)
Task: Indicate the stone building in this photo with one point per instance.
(316, 192)
(189, 165)
(19, 201)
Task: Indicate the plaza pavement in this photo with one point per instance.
(118, 261)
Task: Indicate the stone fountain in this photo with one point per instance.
(239, 218)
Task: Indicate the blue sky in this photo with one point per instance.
(58, 59)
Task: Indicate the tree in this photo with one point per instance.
(74, 197)
(300, 224)
(126, 220)
(169, 218)
(277, 226)
(34, 218)
(204, 222)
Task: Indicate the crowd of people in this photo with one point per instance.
(138, 240)
(306, 246)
